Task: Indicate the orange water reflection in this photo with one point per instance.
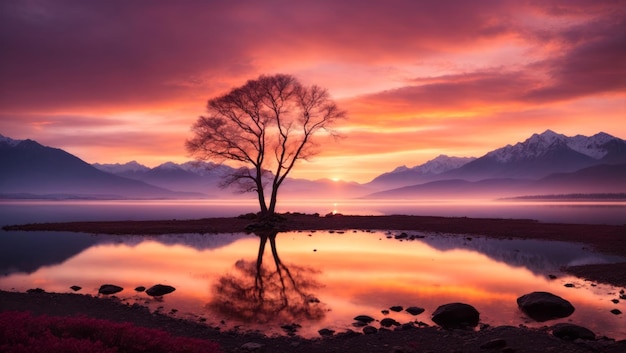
(350, 274)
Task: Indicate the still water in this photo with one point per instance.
(25, 211)
(315, 279)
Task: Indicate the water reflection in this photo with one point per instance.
(29, 251)
(218, 277)
(259, 293)
(538, 256)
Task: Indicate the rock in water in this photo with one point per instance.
(415, 310)
(544, 306)
(159, 289)
(364, 318)
(108, 289)
(456, 315)
(76, 288)
(388, 322)
(369, 330)
(326, 332)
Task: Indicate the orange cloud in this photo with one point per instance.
(115, 81)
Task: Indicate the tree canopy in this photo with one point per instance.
(264, 127)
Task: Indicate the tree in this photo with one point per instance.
(264, 127)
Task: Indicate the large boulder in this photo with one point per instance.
(108, 289)
(159, 290)
(456, 315)
(544, 306)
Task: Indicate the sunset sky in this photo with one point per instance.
(117, 80)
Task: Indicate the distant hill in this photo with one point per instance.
(431, 170)
(29, 168)
(206, 178)
(188, 177)
(544, 164)
(592, 180)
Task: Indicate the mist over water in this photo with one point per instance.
(29, 211)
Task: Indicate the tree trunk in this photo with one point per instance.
(272, 208)
(260, 192)
(263, 206)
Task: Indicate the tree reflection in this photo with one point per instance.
(256, 293)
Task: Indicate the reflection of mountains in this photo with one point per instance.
(28, 251)
(192, 240)
(538, 256)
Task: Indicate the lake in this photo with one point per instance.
(589, 212)
(317, 279)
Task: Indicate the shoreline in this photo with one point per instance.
(407, 338)
(608, 239)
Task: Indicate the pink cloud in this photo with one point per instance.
(457, 68)
(68, 53)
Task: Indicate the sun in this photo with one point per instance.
(335, 179)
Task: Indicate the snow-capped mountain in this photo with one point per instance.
(203, 168)
(596, 146)
(442, 164)
(438, 165)
(121, 169)
(538, 156)
(544, 154)
(404, 175)
(187, 177)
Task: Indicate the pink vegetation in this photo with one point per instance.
(22, 332)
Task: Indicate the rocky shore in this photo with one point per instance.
(396, 337)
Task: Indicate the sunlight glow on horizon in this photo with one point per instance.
(418, 79)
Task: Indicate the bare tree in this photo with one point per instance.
(264, 126)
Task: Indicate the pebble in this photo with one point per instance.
(388, 322)
(251, 346)
(494, 344)
(369, 330)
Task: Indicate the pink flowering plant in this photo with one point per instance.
(23, 332)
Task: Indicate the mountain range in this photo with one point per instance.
(546, 163)
(32, 170)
